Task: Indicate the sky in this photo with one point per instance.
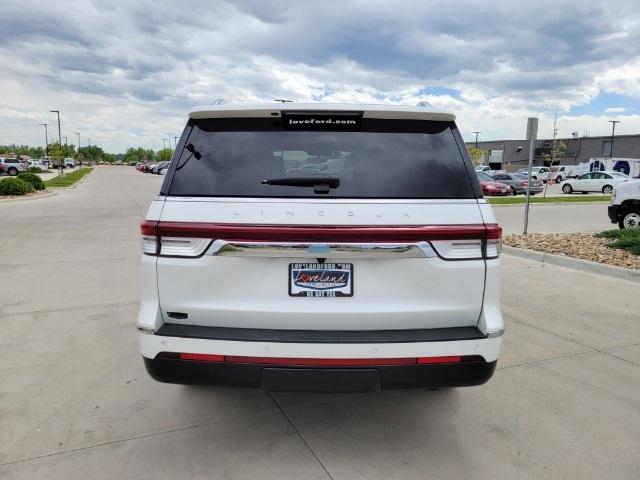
(127, 73)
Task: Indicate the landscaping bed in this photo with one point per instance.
(613, 247)
(67, 179)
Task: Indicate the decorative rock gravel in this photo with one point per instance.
(579, 245)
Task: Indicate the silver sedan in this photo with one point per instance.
(518, 183)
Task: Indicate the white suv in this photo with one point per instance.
(321, 247)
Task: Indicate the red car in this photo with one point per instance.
(491, 188)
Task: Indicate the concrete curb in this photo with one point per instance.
(574, 263)
(21, 198)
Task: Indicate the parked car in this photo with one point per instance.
(603, 182)
(483, 168)
(537, 173)
(155, 169)
(351, 281)
(490, 187)
(13, 166)
(625, 205)
(69, 162)
(518, 183)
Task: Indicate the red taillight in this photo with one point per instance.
(494, 231)
(524, 183)
(148, 227)
(314, 233)
(191, 239)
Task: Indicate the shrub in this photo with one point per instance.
(14, 186)
(35, 169)
(33, 179)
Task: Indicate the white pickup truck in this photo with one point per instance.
(537, 173)
(625, 205)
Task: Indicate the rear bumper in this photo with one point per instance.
(479, 352)
(613, 211)
(314, 379)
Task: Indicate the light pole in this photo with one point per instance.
(78, 133)
(57, 112)
(175, 142)
(477, 133)
(164, 143)
(65, 141)
(613, 132)
(46, 140)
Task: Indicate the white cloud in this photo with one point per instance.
(126, 74)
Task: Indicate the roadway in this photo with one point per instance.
(75, 401)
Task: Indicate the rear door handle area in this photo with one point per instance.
(223, 248)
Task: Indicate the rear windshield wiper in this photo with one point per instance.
(319, 184)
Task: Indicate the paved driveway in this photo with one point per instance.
(75, 401)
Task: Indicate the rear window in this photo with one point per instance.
(371, 158)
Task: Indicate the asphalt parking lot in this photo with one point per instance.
(75, 401)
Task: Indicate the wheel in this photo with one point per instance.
(558, 178)
(630, 218)
(13, 171)
(567, 188)
(607, 189)
(513, 192)
(532, 194)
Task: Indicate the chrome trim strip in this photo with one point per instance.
(224, 248)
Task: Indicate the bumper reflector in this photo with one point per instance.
(315, 362)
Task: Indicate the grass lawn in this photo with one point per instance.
(67, 179)
(626, 239)
(537, 199)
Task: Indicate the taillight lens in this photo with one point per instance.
(451, 242)
(488, 245)
(524, 183)
(163, 246)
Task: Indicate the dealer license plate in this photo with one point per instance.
(320, 279)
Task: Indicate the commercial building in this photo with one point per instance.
(514, 154)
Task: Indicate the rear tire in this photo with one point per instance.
(13, 171)
(607, 189)
(513, 192)
(630, 218)
(558, 179)
(567, 188)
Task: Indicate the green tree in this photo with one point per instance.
(164, 155)
(555, 155)
(138, 154)
(56, 154)
(476, 154)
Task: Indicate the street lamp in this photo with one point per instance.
(57, 112)
(175, 142)
(46, 140)
(78, 133)
(164, 143)
(613, 132)
(65, 141)
(477, 133)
